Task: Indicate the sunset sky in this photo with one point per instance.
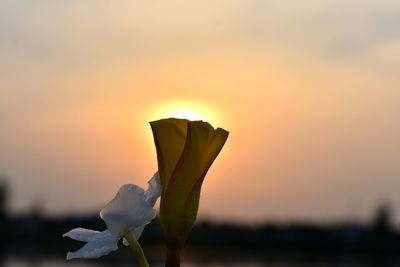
(309, 91)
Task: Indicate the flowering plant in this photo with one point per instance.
(185, 152)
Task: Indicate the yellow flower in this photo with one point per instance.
(185, 152)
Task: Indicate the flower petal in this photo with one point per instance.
(99, 245)
(127, 211)
(84, 235)
(136, 234)
(169, 138)
(154, 190)
(180, 196)
(203, 144)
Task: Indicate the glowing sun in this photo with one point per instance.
(186, 110)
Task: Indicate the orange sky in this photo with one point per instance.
(309, 93)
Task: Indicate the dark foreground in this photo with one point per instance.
(36, 241)
(207, 257)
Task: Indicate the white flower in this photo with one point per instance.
(129, 212)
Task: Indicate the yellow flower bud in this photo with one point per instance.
(185, 152)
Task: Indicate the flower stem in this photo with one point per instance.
(136, 249)
(173, 257)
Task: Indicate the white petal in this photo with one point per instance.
(84, 235)
(99, 245)
(127, 211)
(154, 190)
(136, 234)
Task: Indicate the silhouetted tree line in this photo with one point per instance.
(379, 236)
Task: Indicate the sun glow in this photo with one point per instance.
(183, 109)
(187, 110)
(185, 113)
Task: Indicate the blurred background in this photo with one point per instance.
(309, 91)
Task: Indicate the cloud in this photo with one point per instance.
(344, 30)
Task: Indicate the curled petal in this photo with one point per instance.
(185, 152)
(127, 211)
(154, 190)
(84, 235)
(169, 138)
(99, 244)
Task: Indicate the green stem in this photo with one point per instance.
(137, 249)
(173, 257)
